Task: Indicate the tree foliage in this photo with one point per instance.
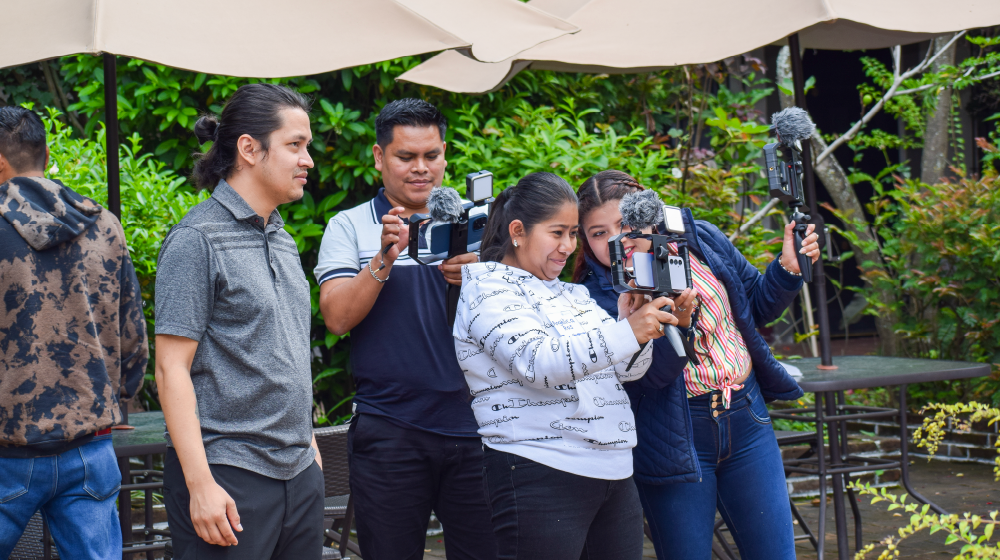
(691, 133)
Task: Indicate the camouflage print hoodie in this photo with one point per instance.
(72, 333)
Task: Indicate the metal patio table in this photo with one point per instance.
(830, 410)
(145, 440)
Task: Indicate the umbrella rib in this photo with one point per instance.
(831, 14)
(421, 16)
(94, 48)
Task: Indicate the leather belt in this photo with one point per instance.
(103, 432)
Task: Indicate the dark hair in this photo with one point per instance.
(534, 199)
(254, 109)
(606, 186)
(22, 139)
(407, 112)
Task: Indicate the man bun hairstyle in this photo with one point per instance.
(254, 110)
(22, 139)
(607, 186)
(206, 129)
(407, 112)
(534, 199)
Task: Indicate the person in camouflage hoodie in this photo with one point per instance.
(72, 346)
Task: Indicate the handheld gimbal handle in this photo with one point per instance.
(672, 333)
(805, 263)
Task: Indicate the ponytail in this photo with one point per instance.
(255, 110)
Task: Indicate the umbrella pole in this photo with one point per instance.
(819, 276)
(115, 205)
(111, 148)
(111, 134)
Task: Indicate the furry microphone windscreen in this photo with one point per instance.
(444, 205)
(641, 210)
(792, 124)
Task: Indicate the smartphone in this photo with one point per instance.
(437, 237)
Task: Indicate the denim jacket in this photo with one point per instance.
(665, 451)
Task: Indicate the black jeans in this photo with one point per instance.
(398, 475)
(282, 519)
(548, 514)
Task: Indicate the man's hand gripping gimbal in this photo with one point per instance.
(449, 229)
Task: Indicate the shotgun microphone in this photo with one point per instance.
(641, 210)
(444, 205)
(792, 125)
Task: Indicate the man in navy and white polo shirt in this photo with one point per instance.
(414, 443)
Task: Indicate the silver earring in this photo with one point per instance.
(515, 242)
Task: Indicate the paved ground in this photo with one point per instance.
(974, 492)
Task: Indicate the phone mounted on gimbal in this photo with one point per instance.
(658, 272)
(452, 227)
(461, 233)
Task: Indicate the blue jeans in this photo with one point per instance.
(742, 476)
(76, 492)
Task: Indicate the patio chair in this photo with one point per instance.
(339, 505)
(35, 542)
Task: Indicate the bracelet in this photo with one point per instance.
(779, 264)
(375, 276)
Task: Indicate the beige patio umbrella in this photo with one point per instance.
(268, 39)
(624, 36)
(263, 38)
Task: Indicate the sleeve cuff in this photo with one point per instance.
(179, 330)
(786, 280)
(337, 273)
(621, 340)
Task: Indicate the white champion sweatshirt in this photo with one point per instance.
(545, 366)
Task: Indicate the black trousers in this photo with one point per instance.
(541, 513)
(282, 519)
(399, 475)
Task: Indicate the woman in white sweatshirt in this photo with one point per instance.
(545, 365)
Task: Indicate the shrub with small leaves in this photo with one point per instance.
(960, 528)
(932, 432)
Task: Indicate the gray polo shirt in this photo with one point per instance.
(236, 285)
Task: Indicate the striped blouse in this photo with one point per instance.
(721, 350)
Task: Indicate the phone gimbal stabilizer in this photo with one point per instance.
(658, 272)
(783, 160)
(449, 229)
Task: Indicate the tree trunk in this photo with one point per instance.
(934, 160)
(832, 175)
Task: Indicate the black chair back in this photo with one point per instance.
(332, 443)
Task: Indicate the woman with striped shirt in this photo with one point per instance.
(705, 440)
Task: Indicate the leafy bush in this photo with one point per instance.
(959, 528)
(154, 198)
(931, 433)
(559, 140)
(941, 247)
